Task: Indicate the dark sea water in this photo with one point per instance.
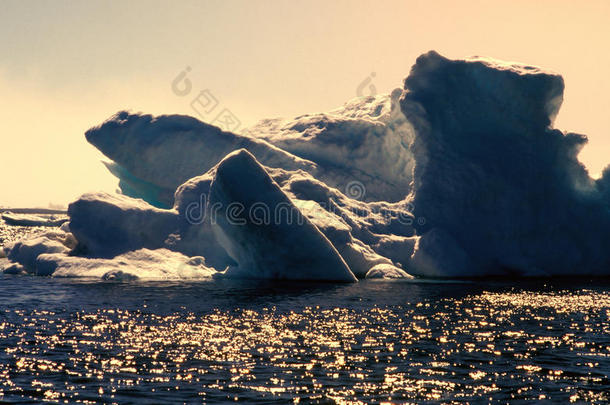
(371, 342)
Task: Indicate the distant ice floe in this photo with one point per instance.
(33, 220)
(458, 175)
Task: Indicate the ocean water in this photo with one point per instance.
(371, 342)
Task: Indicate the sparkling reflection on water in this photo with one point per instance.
(314, 343)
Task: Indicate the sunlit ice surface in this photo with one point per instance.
(63, 340)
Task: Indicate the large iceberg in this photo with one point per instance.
(501, 191)
(339, 148)
(459, 174)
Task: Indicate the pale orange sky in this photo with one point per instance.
(66, 66)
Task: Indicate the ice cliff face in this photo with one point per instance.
(458, 175)
(503, 188)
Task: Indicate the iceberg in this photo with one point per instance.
(106, 225)
(459, 174)
(503, 193)
(152, 156)
(263, 231)
(387, 271)
(341, 219)
(347, 144)
(142, 264)
(55, 253)
(25, 252)
(339, 148)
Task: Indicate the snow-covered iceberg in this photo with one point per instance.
(459, 174)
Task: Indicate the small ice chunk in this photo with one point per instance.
(142, 264)
(109, 224)
(387, 271)
(25, 252)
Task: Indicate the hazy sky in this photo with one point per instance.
(68, 65)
